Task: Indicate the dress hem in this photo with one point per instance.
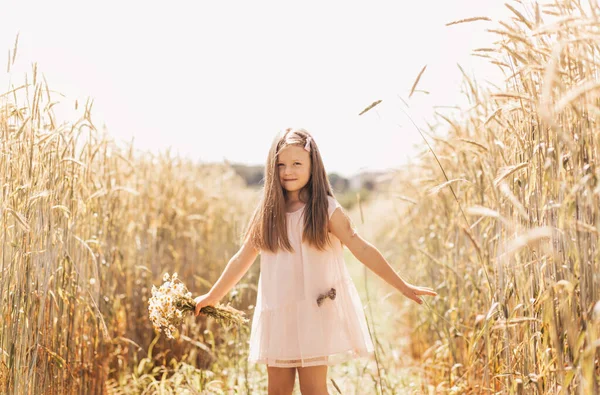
(328, 360)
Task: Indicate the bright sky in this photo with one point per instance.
(217, 80)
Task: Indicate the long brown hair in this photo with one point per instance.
(267, 229)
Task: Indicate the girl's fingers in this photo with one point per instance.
(415, 292)
(426, 291)
(415, 296)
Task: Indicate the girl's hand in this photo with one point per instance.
(204, 300)
(413, 292)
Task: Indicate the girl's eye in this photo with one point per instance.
(297, 163)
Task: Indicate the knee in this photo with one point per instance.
(281, 388)
(281, 384)
(313, 388)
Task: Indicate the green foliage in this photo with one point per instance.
(350, 199)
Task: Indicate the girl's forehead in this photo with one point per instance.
(293, 152)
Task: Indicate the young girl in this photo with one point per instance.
(308, 313)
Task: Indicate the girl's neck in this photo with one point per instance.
(294, 197)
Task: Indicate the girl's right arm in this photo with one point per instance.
(341, 226)
(236, 268)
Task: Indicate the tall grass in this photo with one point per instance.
(510, 237)
(507, 234)
(86, 227)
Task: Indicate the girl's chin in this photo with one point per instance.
(288, 189)
(292, 186)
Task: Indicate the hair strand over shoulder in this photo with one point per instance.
(267, 229)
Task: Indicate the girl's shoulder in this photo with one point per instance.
(332, 205)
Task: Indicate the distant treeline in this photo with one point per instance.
(253, 175)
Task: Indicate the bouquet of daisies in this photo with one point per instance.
(171, 301)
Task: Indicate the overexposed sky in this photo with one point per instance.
(217, 80)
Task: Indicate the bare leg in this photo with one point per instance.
(281, 380)
(313, 380)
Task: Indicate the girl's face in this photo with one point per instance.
(293, 165)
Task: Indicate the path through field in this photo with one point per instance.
(390, 329)
(386, 312)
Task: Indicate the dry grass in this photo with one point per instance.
(526, 213)
(86, 228)
(507, 234)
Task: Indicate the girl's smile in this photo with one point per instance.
(293, 166)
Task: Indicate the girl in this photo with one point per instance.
(308, 313)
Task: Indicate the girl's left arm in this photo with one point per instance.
(369, 255)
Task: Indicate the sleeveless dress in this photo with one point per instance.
(289, 328)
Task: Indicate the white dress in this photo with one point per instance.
(289, 328)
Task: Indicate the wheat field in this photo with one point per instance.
(505, 216)
(500, 215)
